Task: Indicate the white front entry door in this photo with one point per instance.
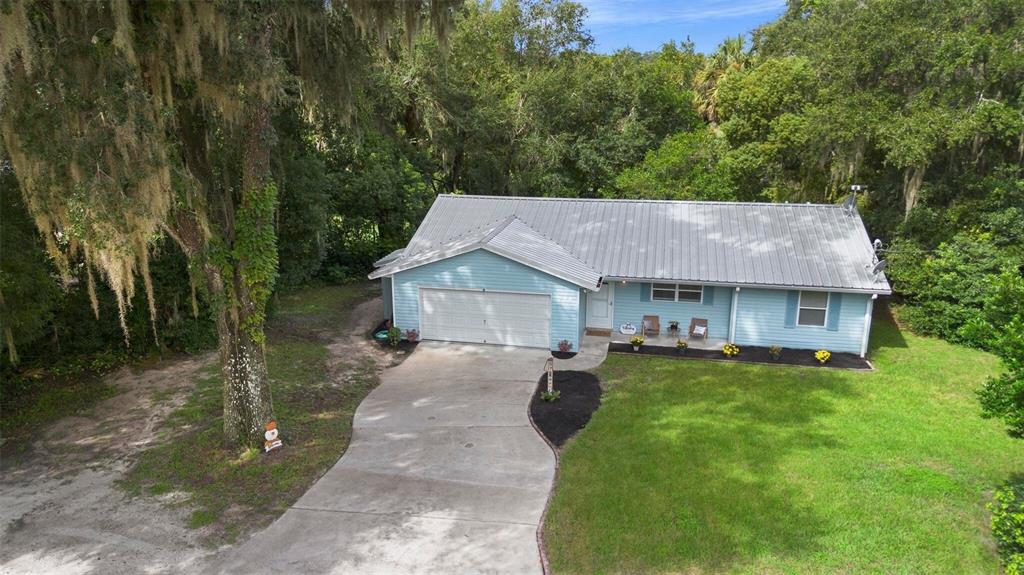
(599, 307)
(505, 318)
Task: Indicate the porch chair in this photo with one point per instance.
(652, 325)
(699, 327)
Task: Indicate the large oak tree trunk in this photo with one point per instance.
(238, 264)
(247, 400)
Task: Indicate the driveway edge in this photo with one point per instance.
(541, 547)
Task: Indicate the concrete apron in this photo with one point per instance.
(444, 474)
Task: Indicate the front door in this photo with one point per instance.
(599, 307)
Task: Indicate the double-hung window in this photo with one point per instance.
(677, 292)
(813, 308)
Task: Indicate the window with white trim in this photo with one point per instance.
(812, 309)
(677, 292)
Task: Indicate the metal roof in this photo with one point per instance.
(509, 238)
(724, 243)
(389, 258)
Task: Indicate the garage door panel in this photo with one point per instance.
(485, 317)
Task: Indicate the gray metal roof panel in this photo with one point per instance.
(510, 238)
(792, 245)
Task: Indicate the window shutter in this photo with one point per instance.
(709, 295)
(792, 300)
(835, 305)
(645, 292)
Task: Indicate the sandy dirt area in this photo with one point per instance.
(61, 510)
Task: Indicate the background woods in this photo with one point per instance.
(223, 154)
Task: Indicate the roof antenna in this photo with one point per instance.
(879, 268)
(850, 203)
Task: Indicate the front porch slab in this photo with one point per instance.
(666, 340)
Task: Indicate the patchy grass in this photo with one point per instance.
(233, 492)
(44, 400)
(706, 467)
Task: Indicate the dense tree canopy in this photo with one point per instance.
(263, 145)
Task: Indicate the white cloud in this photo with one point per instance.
(610, 12)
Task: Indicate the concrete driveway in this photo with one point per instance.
(444, 475)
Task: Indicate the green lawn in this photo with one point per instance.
(706, 467)
(232, 492)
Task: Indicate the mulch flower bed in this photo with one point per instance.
(563, 354)
(404, 346)
(560, 419)
(751, 354)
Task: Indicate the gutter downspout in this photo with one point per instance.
(732, 314)
(867, 325)
(393, 310)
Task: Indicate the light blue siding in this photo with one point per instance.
(630, 306)
(385, 290)
(761, 320)
(481, 269)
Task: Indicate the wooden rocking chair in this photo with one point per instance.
(652, 325)
(698, 328)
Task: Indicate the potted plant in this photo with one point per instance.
(412, 335)
(681, 346)
(673, 327)
(636, 341)
(394, 336)
(775, 352)
(731, 350)
(565, 346)
(823, 355)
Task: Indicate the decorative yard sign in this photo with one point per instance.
(549, 367)
(270, 435)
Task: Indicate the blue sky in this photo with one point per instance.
(647, 24)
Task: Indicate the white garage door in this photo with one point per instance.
(505, 318)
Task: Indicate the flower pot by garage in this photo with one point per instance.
(636, 348)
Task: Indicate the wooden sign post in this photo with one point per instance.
(549, 367)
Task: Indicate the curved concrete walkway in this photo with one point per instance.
(444, 474)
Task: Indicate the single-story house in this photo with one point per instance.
(538, 271)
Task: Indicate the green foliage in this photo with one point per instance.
(685, 167)
(377, 196)
(394, 336)
(947, 289)
(1008, 525)
(29, 293)
(1002, 396)
(521, 105)
(550, 396)
(255, 251)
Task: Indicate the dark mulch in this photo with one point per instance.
(563, 354)
(750, 354)
(561, 419)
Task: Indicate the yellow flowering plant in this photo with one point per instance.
(731, 350)
(636, 340)
(823, 355)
